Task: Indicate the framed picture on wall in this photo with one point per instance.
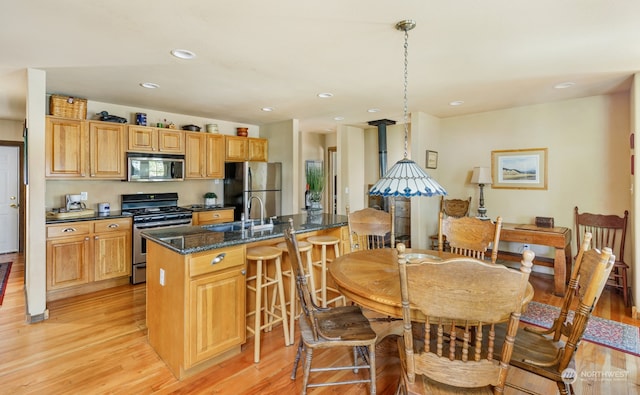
(432, 160)
(519, 168)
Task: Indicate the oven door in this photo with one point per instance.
(139, 259)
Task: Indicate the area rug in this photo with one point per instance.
(5, 269)
(600, 331)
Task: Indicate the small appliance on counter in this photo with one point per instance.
(104, 208)
(74, 207)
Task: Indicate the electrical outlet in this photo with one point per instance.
(526, 247)
(84, 196)
(162, 277)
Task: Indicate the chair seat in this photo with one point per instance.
(344, 323)
(536, 347)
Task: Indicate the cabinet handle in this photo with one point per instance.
(95, 237)
(67, 230)
(112, 226)
(86, 239)
(219, 258)
(216, 215)
(243, 272)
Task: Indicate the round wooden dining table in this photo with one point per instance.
(370, 278)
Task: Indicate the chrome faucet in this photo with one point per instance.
(261, 207)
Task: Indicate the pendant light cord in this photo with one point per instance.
(406, 100)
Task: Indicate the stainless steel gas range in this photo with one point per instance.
(151, 211)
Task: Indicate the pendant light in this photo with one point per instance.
(406, 178)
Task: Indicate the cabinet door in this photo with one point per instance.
(112, 248)
(171, 141)
(68, 261)
(236, 149)
(215, 156)
(143, 139)
(112, 255)
(217, 314)
(66, 148)
(258, 149)
(195, 155)
(107, 147)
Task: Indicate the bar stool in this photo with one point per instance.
(303, 247)
(262, 256)
(324, 241)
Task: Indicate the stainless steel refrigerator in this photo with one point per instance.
(244, 180)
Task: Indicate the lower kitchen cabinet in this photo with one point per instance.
(212, 217)
(86, 256)
(195, 306)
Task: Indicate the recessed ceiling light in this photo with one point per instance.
(183, 54)
(149, 85)
(564, 85)
(373, 110)
(456, 103)
(325, 95)
(267, 109)
(338, 119)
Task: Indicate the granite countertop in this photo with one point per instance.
(112, 214)
(190, 239)
(202, 207)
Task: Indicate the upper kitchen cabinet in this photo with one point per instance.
(66, 142)
(107, 143)
(240, 149)
(204, 155)
(150, 139)
(79, 149)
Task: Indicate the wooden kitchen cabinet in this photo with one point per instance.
(79, 149)
(155, 140)
(68, 255)
(212, 217)
(214, 156)
(195, 306)
(87, 256)
(258, 149)
(204, 155)
(240, 149)
(112, 248)
(67, 148)
(107, 143)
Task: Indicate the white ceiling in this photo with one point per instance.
(492, 54)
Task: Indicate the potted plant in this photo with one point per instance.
(210, 198)
(315, 180)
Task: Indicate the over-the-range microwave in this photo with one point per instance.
(154, 167)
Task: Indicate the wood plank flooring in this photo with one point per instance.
(97, 344)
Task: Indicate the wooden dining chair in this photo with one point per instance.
(451, 208)
(549, 352)
(460, 300)
(608, 231)
(329, 328)
(370, 228)
(469, 236)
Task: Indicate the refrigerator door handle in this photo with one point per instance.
(250, 179)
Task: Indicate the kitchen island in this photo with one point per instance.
(196, 294)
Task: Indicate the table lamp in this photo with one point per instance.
(482, 177)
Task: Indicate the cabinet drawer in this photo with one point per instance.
(69, 229)
(217, 260)
(113, 225)
(517, 238)
(214, 217)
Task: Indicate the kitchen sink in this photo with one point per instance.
(227, 226)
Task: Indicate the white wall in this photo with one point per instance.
(283, 142)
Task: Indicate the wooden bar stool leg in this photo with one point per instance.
(256, 326)
(323, 275)
(283, 307)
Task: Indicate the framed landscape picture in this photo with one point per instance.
(519, 169)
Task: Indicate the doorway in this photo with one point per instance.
(12, 192)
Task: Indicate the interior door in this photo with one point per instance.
(9, 199)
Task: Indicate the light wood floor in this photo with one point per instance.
(97, 344)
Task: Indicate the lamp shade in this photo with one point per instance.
(481, 175)
(406, 179)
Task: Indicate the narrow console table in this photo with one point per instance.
(558, 238)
